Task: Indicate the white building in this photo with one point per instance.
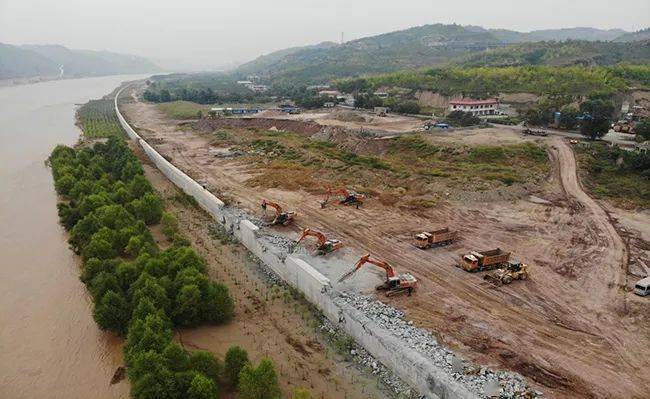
(476, 107)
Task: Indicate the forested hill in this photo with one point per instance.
(572, 52)
(410, 48)
(47, 60)
(438, 44)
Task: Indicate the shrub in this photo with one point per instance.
(169, 225)
(260, 382)
(205, 363)
(236, 359)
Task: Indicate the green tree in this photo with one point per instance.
(187, 306)
(98, 248)
(205, 363)
(218, 306)
(139, 186)
(64, 184)
(176, 358)
(260, 382)
(236, 359)
(202, 387)
(149, 208)
(643, 128)
(569, 117)
(169, 225)
(596, 118)
(112, 312)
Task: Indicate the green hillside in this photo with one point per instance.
(588, 53)
(439, 45)
(46, 60)
(487, 81)
(411, 48)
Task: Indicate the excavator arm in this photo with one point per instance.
(309, 232)
(277, 207)
(390, 272)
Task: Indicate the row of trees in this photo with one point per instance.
(202, 95)
(593, 117)
(137, 289)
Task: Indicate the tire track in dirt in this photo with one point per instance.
(613, 264)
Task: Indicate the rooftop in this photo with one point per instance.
(474, 102)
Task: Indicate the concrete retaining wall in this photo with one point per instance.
(409, 365)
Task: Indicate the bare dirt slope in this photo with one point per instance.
(571, 329)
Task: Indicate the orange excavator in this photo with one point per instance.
(325, 245)
(394, 284)
(348, 197)
(281, 217)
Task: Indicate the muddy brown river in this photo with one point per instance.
(50, 346)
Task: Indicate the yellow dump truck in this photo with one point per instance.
(477, 261)
(430, 239)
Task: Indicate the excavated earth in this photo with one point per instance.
(573, 329)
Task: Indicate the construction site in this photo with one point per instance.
(480, 243)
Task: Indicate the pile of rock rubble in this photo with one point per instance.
(480, 380)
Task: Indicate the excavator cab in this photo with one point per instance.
(281, 217)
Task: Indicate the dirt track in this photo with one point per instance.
(572, 328)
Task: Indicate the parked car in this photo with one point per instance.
(642, 287)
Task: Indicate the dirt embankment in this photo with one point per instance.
(302, 127)
(572, 329)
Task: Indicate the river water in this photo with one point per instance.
(50, 346)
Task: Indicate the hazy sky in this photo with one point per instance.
(213, 33)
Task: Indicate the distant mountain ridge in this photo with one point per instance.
(50, 60)
(643, 34)
(439, 44)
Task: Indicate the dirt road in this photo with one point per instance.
(569, 329)
(612, 266)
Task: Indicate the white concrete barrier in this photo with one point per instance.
(412, 367)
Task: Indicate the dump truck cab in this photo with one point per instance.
(470, 262)
(422, 240)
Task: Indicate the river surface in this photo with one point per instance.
(50, 346)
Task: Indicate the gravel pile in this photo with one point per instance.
(480, 380)
(280, 242)
(366, 362)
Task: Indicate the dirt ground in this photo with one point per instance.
(268, 321)
(574, 329)
(353, 120)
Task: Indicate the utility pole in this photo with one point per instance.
(342, 38)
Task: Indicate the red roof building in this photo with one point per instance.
(489, 106)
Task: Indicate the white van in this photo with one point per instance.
(642, 287)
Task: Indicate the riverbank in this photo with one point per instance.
(50, 345)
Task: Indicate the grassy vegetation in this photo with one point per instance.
(97, 119)
(619, 176)
(183, 109)
(402, 169)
